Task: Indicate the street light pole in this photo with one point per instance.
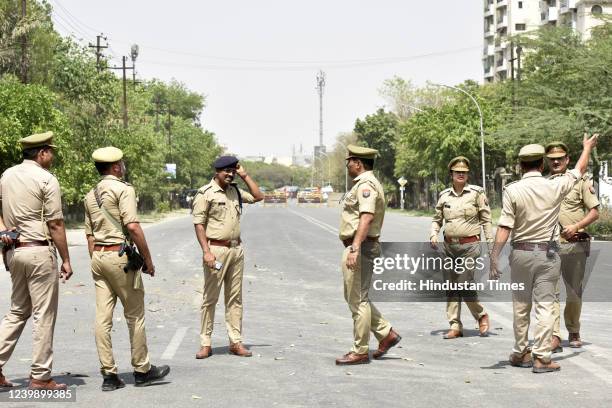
(482, 154)
(345, 168)
(134, 54)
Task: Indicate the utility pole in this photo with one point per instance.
(124, 68)
(519, 51)
(98, 48)
(512, 59)
(24, 46)
(169, 129)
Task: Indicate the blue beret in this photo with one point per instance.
(225, 161)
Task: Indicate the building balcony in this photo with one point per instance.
(489, 32)
(489, 12)
(502, 3)
(500, 46)
(567, 6)
(553, 14)
(503, 23)
(489, 74)
(501, 65)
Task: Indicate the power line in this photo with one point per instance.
(313, 62)
(366, 61)
(73, 29)
(329, 66)
(76, 20)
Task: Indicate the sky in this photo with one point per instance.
(256, 61)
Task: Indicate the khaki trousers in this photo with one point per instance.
(230, 277)
(112, 283)
(539, 275)
(453, 302)
(366, 316)
(35, 279)
(573, 265)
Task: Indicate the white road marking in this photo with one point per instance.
(316, 222)
(580, 361)
(174, 343)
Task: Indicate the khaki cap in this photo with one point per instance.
(459, 163)
(37, 140)
(108, 154)
(557, 149)
(531, 152)
(360, 152)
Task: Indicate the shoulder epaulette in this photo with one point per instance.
(204, 189)
(511, 183)
(119, 180)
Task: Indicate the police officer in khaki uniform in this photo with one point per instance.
(31, 204)
(111, 221)
(530, 212)
(463, 209)
(363, 211)
(579, 209)
(217, 208)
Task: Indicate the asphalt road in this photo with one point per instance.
(296, 322)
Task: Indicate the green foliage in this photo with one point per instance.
(379, 131)
(271, 176)
(566, 90)
(83, 107)
(603, 226)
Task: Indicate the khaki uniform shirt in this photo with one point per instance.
(30, 197)
(462, 214)
(366, 196)
(119, 199)
(579, 200)
(530, 206)
(219, 210)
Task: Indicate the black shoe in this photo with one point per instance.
(112, 382)
(154, 374)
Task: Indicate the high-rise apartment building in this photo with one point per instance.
(506, 18)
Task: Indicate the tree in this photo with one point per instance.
(380, 131)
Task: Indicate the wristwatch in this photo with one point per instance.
(352, 249)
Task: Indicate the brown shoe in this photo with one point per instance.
(483, 325)
(574, 340)
(239, 350)
(540, 366)
(452, 334)
(385, 344)
(555, 344)
(351, 358)
(4, 383)
(205, 352)
(523, 360)
(49, 384)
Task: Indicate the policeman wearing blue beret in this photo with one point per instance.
(217, 208)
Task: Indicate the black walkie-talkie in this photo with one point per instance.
(12, 234)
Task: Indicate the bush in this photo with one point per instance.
(603, 226)
(163, 207)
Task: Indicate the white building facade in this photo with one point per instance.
(506, 18)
